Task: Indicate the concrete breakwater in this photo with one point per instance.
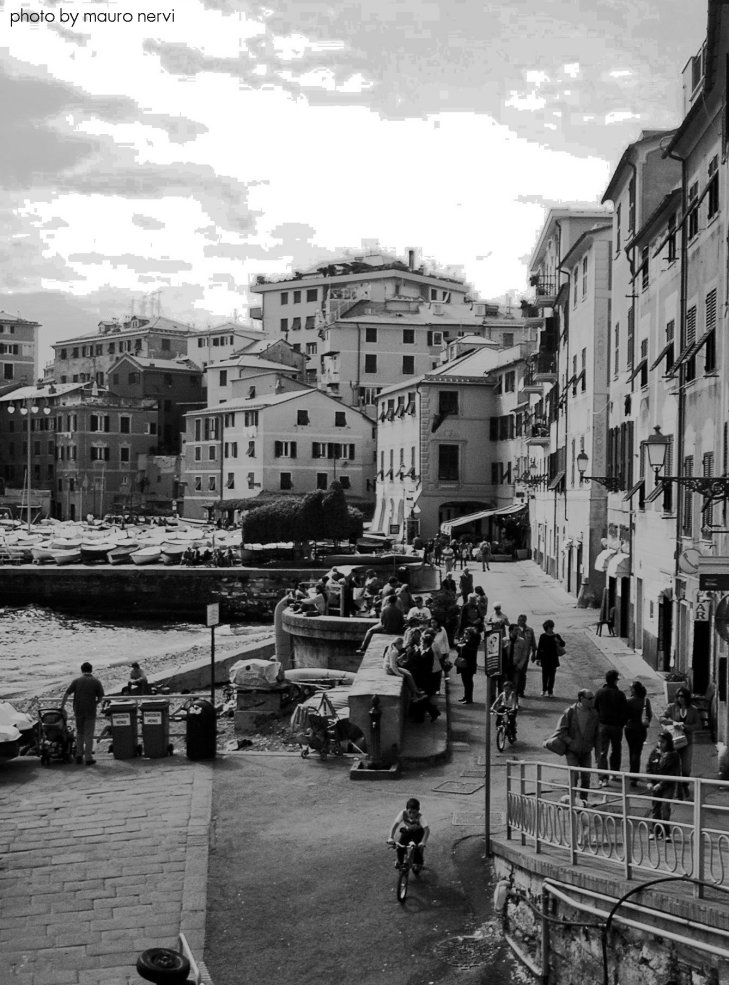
(153, 591)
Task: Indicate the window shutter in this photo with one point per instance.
(293, 449)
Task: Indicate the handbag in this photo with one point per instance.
(680, 740)
(645, 718)
(560, 647)
(556, 744)
(461, 663)
(446, 664)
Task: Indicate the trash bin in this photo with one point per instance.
(156, 727)
(123, 718)
(201, 735)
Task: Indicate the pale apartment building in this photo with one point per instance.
(18, 350)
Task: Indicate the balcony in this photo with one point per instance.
(544, 368)
(545, 290)
(537, 434)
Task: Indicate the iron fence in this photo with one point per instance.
(616, 824)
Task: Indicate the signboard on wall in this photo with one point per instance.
(702, 610)
(494, 644)
(714, 574)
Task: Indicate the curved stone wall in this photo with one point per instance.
(325, 641)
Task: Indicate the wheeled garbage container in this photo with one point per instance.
(201, 732)
(155, 727)
(123, 719)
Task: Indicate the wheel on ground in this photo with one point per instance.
(402, 885)
(512, 736)
(501, 738)
(305, 752)
(338, 749)
(163, 965)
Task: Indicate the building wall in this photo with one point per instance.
(18, 350)
(91, 357)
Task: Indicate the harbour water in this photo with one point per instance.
(41, 650)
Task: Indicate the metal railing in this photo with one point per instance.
(615, 824)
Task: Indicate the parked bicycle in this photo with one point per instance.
(505, 728)
(404, 869)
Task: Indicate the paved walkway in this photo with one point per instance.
(99, 863)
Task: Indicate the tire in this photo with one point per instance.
(305, 752)
(402, 885)
(512, 736)
(163, 965)
(501, 738)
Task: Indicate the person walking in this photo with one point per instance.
(465, 584)
(484, 555)
(518, 660)
(482, 602)
(470, 615)
(529, 635)
(639, 716)
(431, 660)
(499, 617)
(611, 706)
(87, 692)
(550, 643)
(468, 651)
(448, 556)
(685, 716)
(578, 727)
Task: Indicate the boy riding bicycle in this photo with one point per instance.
(412, 826)
(507, 703)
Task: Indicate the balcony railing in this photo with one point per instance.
(545, 806)
(544, 287)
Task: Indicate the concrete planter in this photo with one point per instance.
(360, 771)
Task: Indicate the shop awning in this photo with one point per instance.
(554, 484)
(619, 566)
(447, 527)
(601, 561)
(629, 495)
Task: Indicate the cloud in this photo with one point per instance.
(146, 222)
(137, 263)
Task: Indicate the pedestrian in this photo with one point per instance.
(441, 646)
(518, 660)
(431, 660)
(468, 658)
(419, 611)
(470, 615)
(448, 557)
(449, 584)
(611, 706)
(498, 617)
(484, 555)
(87, 692)
(639, 715)
(548, 654)
(465, 584)
(410, 825)
(666, 763)
(482, 602)
(578, 728)
(684, 716)
(528, 633)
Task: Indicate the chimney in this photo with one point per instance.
(411, 259)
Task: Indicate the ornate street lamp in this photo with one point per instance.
(709, 486)
(612, 483)
(28, 409)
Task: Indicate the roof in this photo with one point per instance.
(7, 319)
(581, 242)
(274, 399)
(474, 365)
(179, 365)
(148, 325)
(253, 362)
(646, 136)
(228, 326)
(45, 392)
(553, 217)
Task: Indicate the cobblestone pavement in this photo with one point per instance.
(99, 863)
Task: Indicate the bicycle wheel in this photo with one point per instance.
(402, 883)
(512, 735)
(501, 738)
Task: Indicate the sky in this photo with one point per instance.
(228, 139)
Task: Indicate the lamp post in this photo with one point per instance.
(709, 486)
(613, 483)
(28, 408)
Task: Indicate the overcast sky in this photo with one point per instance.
(250, 138)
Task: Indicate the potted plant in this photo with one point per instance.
(672, 682)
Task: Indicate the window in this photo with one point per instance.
(618, 218)
(643, 363)
(693, 221)
(100, 453)
(284, 325)
(198, 453)
(710, 333)
(631, 206)
(251, 453)
(631, 338)
(644, 268)
(312, 294)
(285, 482)
(223, 377)
(211, 453)
(164, 345)
(707, 468)
(671, 242)
(297, 297)
(63, 353)
(448, 463)
(408, 336)
(230, 481)
(340, 419)
(370, 335)
(408, 365)
(295, 324)
(197, 483)
(509, 381)
(124, 453)
(284, 449)
(251, 392)
(302, 417)
(447, 402)
(310, 321)
(689, 365)
(507, 339)
(8, 371)
(669, 339)
(311, 348)
(575, 272)
(343, 481)
(713, 190)
(250, 418)
(688, 498)
(284, 297)
(321, 480)
(370, 363)
(211, 483)
(584, 278)
(133, 378)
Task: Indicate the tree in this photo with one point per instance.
(335, 515)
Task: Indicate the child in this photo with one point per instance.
(412, 827)
(507, 701)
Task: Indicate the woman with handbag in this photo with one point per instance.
(639, 718)
(549, 649)
(467, 662)
(684, 719)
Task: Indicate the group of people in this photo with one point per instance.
(598, 722)
(217, 558)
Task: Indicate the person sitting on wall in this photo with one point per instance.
(391, 622)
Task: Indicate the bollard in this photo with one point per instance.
(163, 965)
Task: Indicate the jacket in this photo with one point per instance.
(611, 705)
(579, 741)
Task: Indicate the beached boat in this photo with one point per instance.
(147, 555)
(70, 555)
(172, 553)
(42, 554)
(122, 553)
(94, 551)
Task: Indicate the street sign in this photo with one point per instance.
(702, 610)
(213, 614)
(714, 574)
(494, 641)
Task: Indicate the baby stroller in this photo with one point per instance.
(319, 729)
(57, 738)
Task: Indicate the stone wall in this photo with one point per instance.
(571, 940)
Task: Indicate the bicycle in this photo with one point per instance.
(404, 869)
(505, 728)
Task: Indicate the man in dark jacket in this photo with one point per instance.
(87, 693)
(611, 706)
(392, 622)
